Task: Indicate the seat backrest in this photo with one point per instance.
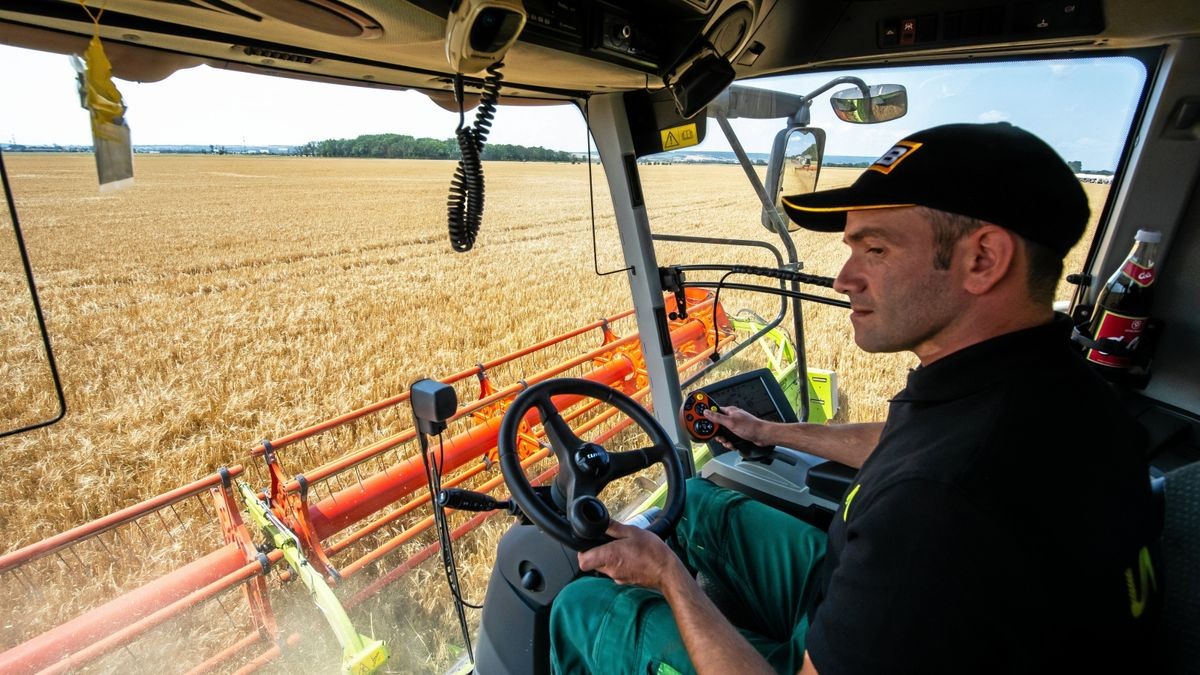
(1181, 570)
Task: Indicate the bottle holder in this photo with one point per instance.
(1141, 355)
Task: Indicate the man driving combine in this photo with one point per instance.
(973, 539)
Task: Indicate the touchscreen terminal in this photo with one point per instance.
(758, 393)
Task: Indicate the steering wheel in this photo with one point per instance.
(585, 468)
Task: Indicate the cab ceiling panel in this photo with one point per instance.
(570, 46)
(789, 35)
(898, 27)
(882, 31)
(349, 44)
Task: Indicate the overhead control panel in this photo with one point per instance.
(652, 37)
(1018, 20)
(597, 29)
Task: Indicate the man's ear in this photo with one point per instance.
(990, 257)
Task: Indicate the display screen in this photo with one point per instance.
(756, 392)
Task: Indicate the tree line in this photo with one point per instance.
(397, 146)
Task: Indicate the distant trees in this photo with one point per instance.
(397, 146)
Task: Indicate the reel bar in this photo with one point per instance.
(58, 542)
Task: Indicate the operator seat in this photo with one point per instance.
(1180, 564)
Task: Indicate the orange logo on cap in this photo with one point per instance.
(892, 157)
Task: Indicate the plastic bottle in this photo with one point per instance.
(643, 519)
(1124, 305)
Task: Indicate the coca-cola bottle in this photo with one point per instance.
(1124, 307)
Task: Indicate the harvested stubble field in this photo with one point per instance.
(221, 300)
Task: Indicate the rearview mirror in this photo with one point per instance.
(885, 102)
(793, 169)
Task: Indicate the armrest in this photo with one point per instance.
(830, 480)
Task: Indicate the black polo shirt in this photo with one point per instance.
(997, 527)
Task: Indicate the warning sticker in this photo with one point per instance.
(679, 137)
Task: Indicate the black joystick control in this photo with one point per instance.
(700, 428)
(691, 415)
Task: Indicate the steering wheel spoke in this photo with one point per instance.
(584, 487)
(563, 440)
(622, 464)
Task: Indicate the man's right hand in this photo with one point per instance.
(849, 444)
(739, 423)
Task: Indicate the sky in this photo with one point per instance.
(1082, 107)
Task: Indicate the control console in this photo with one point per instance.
(792, 481)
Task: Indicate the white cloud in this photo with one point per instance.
(993, 116)
(943, 85)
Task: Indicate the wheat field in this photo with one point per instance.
(221, 300)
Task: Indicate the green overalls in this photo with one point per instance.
(765, 559)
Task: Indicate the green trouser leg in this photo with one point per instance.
(764, 557)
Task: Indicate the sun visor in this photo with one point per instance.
(656, 124)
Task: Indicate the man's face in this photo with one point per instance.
(898, 300)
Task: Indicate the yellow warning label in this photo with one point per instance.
(679, 137)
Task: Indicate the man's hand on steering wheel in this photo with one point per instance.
(635, 556)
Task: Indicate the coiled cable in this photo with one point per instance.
(464, 208)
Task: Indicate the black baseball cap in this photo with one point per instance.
(997, 173)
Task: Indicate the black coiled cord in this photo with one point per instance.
(464, 209)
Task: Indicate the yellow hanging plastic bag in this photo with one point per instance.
(110, 134)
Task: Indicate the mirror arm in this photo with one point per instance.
(754, 103)
(738, 102)
(789, 245)
(845, 79)
(803, 116)
(756, 183)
